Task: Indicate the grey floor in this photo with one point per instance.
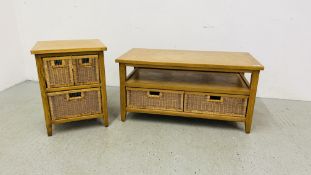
(280, 142)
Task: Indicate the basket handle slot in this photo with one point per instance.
(154, 94)
(85, 61)
(58, 63)
(75, 95)
(215, 98)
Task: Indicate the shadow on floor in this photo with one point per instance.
(78, 125)
(182, 120)
(261, 115)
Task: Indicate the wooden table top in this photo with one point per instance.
(61, 46)
(187, 58)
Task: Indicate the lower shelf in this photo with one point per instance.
(196, 81)
(186, 114)
(65, 120)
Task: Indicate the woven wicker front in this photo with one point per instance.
(166, 100)
(229, 105)
(64, 107)
(86, 72)
(58, 75)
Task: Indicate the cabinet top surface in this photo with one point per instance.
(61, 46)
(187, 58)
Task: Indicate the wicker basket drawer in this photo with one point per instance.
(230, 105)
(58, 71)
(75, 103)
(86, 69)
(154, 99)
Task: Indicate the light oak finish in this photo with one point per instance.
(72, 88)
(122, 74)
(63, 46)
(216, 82)
(103, 88)
(71, 50)
(192, 59)
(46, 107)
(251, 101)
(187, 68)
(219, 73)
(191, 115)
(77, 118)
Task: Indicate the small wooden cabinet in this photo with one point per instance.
(72, 80)
(199, 84)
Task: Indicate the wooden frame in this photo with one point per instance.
(71, 49)
(204, 61)
(122, 74)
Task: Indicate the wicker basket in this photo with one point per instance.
(215, 104)
(86, 69)
(58, 71)
(154, 99)
(68, 104)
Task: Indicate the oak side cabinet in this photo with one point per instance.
(72, 80)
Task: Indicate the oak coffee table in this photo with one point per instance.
(199, 84)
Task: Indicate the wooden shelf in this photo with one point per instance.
(193, 115)
(56, 89)
(82, 117)
(198, 81)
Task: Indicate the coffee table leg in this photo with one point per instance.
(122, 74)
(251, 101)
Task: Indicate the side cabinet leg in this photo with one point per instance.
(122, 74)
(49, 129)
(46, 108)
(103, 89)
(251, 101)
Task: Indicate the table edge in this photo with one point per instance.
(47, 51)
(186, 65)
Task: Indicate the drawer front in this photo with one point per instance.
(154, 99)
(231, 105)
(86, 69)
(58, 71)
(68, 104)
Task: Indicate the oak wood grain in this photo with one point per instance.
(188, 114)
(122, 75)
(44, 98)
(194, 59)
(251, 101)
(103, 88)
(62, 46)
(216, 82)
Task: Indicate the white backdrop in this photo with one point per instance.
(277, 33)
(11, 59)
